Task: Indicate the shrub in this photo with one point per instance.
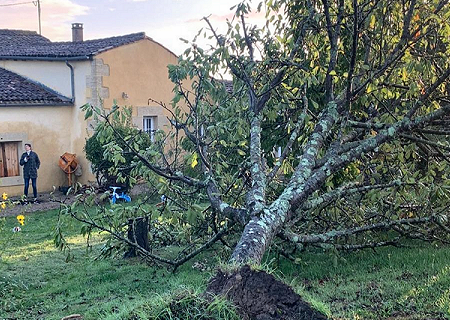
(104, 168)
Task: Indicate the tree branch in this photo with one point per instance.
(425, 141)
(298, 127)
(334, 164)
(345, 190)
(328, 237)
(205, 246)
(159, 171)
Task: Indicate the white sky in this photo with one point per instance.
(165, 21)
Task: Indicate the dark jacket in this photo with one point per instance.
(30, 166)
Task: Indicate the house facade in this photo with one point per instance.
(43, 84)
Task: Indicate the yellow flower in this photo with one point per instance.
(4, 196)
(3, 205)
(21, 219)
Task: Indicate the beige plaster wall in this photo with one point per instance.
(47, 130)
(56, 75)
(137, 72)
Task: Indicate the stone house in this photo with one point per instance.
(43, 84)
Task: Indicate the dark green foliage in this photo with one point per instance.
(94, 153)
(353, 93)
(105, 168)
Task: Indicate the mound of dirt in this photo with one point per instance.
(258, 295)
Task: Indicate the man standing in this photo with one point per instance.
(30, 162)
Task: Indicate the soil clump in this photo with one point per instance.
(258, 295)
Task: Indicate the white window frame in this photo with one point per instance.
(149, 126)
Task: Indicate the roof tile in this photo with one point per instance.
(19, 43)
(17, 90)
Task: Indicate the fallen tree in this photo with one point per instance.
(333, 133)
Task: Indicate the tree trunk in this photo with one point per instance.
(259, 232)
(137, 233)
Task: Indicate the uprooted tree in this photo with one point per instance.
(334, 133)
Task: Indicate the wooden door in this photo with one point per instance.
(9, 159)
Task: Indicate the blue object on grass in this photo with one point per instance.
(116, 196)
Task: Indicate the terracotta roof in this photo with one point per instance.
(20, 91)
(15, 44)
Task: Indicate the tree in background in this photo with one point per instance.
(334, 133)
(96, 147)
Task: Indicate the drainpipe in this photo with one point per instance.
(72, 81)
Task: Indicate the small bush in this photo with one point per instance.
(102, 166)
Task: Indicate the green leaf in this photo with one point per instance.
(88, 114)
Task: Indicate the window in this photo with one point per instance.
(9, 159)
(277, 152)
(149, 126)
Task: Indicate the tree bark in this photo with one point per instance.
(137, 233)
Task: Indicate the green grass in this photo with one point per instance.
(37, 283)
(391, 282)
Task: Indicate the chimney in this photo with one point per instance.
(77, 32)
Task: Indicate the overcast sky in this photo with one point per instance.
(163, 20)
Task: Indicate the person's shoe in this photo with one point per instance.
(35, 200)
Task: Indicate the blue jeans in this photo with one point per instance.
(27, 185)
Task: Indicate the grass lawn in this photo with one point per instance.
(37, 283)
(394, 283)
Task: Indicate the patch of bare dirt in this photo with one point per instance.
(49, 201)
(259, 296)
(45, 202)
